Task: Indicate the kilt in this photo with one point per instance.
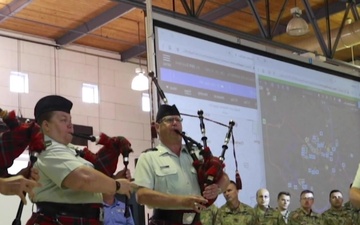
(40, 219)
(49, 213)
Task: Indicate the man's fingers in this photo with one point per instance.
(23, 198)
(198, 207)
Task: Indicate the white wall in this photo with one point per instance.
(62, 72)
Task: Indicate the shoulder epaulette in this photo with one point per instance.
(149, 150)
(48, 143)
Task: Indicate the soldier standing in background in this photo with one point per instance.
(234, 211)
(283, 205)
(305, 214)
(264, 214)
(336, 215)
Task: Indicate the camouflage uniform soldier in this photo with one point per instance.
(355, 198)
(283, 205)
(337, 214)
(208, 215)
(264, 214)
(348, 206)
(234, 211)
(304, 215)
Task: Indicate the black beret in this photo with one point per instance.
(51, 103)
(166, 110)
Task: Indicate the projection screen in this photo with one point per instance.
(297, 121)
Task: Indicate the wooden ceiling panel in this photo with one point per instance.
(3, 3)
(65, 14)
(239, 20)
(103, 43)
(56, 19)
(125, 29)
(32, 28)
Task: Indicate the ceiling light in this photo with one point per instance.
(297, 26)
(140, 82)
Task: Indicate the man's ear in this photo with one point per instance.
(45, 126)
(157, 127)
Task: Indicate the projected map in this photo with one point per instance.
(308, 134)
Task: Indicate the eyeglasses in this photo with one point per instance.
(307, 198)
(170, 120)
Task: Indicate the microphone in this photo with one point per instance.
(160, 91)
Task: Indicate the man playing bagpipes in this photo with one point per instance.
(168, 182)
(71, 189)
(13, 141)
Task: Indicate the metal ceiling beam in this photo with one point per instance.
(199, 22)
(98, 21)
(320, 13)
(12, 8)
(133, 52)
(355, 11)
(199, 9)
(262, 29)
(218, 13)
(188, 11)
(334, 47)
(225, 9)
(277, 22)
(313, 20)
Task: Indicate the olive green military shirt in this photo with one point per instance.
(301, 217)
(208, 215)
(268, 217)
(244, 215)
(348, 205)
(337, 217)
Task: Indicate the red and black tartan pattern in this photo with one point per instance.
(17, 136)
(106, 159)
(208, 171)
(38, 219)
(15, 139)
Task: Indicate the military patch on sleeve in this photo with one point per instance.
(150, 150)
(48, 143)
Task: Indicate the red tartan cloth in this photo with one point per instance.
(106, 159)
(38, 219)
(208, 171)
(16, 136)
(14, 139)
